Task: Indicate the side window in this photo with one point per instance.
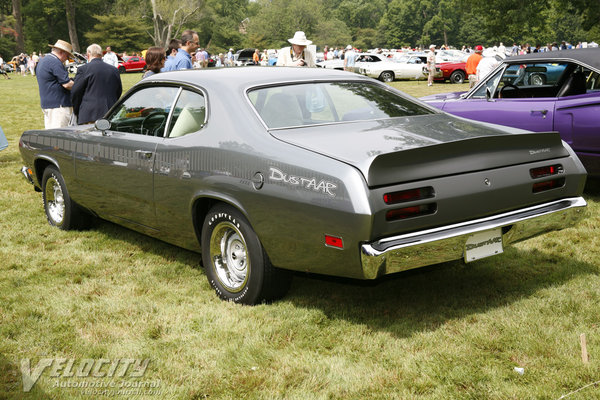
(491, 84)
(145, 112)
(189, 114)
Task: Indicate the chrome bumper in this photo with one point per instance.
(447, 243)
(28, 175)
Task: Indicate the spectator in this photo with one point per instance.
(472, 63)
(97, 87)
(54, 86)
(174, 46)
(155, 61)
(488, 62)
(296, 55)
(431, 65)
(110, 58)
(2, 71)
(3, 141)
(349, 59)
(189, 44)
(229, 61)
(255, 57)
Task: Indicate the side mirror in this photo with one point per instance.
(102, 125)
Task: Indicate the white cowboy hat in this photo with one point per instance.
(349, 47)
(432, 46)
(64, 46)
(300, 39)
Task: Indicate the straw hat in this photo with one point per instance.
(64, 46)
(300, 39)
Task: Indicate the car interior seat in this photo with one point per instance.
(574, 85)
(191, 119)
(281, 110)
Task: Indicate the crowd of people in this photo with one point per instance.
(97, 84)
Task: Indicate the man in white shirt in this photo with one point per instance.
(297, 55)
(110, 58)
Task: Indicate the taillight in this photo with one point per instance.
(544, 172)
(547, 185)
(410, 212)
(408, 195)
(549, 170)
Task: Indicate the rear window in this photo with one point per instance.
(329, 102)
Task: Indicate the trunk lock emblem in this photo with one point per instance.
(487, 182)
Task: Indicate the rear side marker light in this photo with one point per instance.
(410, 212)
(548, 185)
(549, 170)
(408, 195)
(333, 241)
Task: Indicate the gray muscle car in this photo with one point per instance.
(267, 171)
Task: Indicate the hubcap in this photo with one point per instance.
(229, 256)
(55, 201)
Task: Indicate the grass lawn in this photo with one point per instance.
(451, 331)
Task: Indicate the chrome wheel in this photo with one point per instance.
(55, 200)
(387, 76)
(229, 256)
(536, 80)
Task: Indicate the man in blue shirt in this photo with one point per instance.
(189, 44)
(174, 46)
(55, 85)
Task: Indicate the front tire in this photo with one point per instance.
(121, 70)
(235, 263)
(60, 210)
(457, 77)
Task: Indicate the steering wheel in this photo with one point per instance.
(154, 114)
(510, 85)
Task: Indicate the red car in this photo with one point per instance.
(455, 72)
(131, 64)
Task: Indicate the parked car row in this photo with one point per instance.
(540, 92)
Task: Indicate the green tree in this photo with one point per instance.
(120, 32)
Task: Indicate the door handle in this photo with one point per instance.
(543, 112)
(145, 154)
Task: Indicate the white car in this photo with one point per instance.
(404, 67)
(362, 60)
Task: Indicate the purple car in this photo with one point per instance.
(551, 91)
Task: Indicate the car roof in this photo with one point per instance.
(236, 78)
(589, 57)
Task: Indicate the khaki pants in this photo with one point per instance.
(472, 80)
(57, 117)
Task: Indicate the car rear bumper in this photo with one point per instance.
(447, 243)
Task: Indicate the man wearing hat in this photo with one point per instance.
(55, 85)
(431, 65)
(297, 55)
(472, 63)
(349, 59)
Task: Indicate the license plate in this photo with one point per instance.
(483, 244)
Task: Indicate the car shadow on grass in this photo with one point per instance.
(417, 300)
(425, 298)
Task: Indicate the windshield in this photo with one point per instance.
(329, 102)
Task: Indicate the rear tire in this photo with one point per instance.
(387, 76)
(235, 262)
(60, 210)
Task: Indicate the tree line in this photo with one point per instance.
(133, 25)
